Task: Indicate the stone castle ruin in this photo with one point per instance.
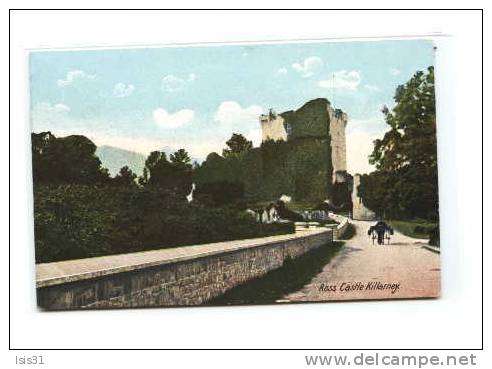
(317, 119)
(303, 156)
(332, 124)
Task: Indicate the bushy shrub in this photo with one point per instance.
(421, 229)
(78, 221)
(221, 193)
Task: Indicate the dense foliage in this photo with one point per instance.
(173, 174)
(68, 159)
(125, 178)
(237, 144)
(79, 221)
(221, 193)
(80, 211)
(404, 184)
(298, 168)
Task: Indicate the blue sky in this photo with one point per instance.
(195, 97)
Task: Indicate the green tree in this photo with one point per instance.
(411, 139)
(237, 144)
(157, 170)
(143, 180)
(173, 174)
(404, 184)
(181, 178)
(68, 160)
(181, 160)
(125, 177)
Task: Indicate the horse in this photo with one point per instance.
(380, 231)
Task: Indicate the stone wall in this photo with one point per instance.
(359, 211)
(273, 128)
(188, 275)
(341, 227)
(338, 122)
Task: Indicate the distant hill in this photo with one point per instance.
(114, 158)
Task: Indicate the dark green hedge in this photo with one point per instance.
(78, 221)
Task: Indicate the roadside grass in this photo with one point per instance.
(413, 228)
(290, 277)
(349, 232)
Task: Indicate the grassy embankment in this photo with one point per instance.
(413, 228)
(349, 233)
(292, 276)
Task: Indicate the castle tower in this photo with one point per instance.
(338, 123)
(315, 119)
(272, 127)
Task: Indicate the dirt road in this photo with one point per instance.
(361, 270)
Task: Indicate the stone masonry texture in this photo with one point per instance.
(189, 282)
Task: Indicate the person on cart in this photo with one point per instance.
(381, 229)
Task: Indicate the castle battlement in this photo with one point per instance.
(273, 127)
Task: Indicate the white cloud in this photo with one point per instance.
(371, 87)
(172, 83)
(122, 90)
(73, 76)
(46, 107)
(166, 120)
(394, 71)
(342, 80)
(231, 113)
(281, 72)
(359, 147)
(309, 66)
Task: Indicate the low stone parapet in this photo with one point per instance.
(188, 275)
(342, 225)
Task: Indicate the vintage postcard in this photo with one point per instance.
(227, 174)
